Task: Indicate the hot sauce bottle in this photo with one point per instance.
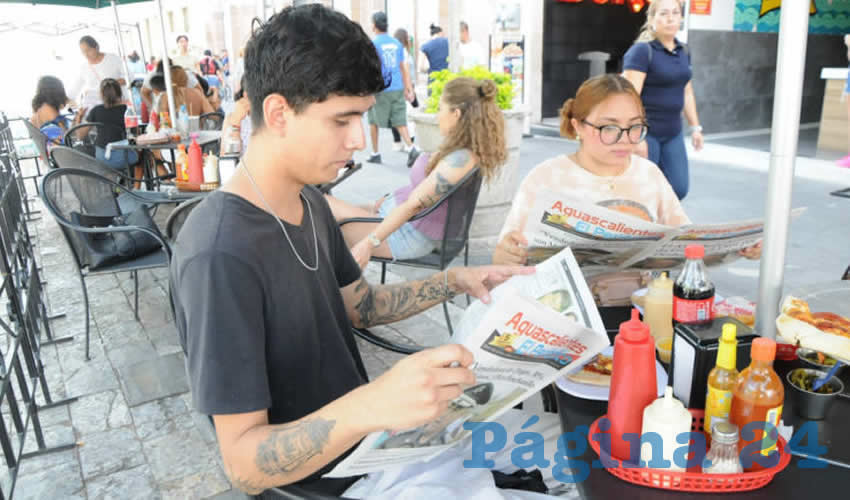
(758, 397)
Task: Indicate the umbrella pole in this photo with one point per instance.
(790, 62)
(123, 56)
(141, 44)
(166, 68)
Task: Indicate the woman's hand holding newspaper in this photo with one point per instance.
(513, 249)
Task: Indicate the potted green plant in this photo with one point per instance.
(494, 201)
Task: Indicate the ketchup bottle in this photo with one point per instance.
(633, 385)
(693, 292)
(196, 162)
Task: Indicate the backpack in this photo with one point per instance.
(208, 66)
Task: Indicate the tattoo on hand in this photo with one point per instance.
(390, 303)
(291, 446)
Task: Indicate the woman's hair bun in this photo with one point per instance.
(488, 90)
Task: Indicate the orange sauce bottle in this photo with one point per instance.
(758, 397)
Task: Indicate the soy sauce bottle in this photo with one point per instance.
(693, 292)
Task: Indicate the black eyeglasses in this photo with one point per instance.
(611, 134)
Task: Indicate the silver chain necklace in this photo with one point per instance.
(282, 228)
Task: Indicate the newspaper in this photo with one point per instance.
(521, 342)
(607, 239)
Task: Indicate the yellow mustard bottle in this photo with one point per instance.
(722, 380)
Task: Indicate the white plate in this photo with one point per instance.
(600, 393)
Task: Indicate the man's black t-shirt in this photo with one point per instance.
(259, 330)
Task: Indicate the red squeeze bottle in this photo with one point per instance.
(633, 385)
(196, 162)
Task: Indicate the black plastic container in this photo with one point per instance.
(695, 354)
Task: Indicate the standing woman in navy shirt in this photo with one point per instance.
(659, 66)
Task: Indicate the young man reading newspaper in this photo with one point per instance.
(264, 288)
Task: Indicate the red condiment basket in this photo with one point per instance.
(694, 480)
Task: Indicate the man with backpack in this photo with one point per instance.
(210, 69)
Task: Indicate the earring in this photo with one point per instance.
(578, 137)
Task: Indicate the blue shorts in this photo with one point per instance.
(406, 242)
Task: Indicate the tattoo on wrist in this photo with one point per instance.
(389, 303)
(289, 447)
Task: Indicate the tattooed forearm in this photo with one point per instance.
(388, 303)
(289, 447)
(246, 485)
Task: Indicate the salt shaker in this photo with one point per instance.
(722, 458)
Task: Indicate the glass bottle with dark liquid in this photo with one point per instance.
(693, 292)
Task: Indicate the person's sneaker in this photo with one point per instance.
(412, 154)
(374, 158)
(844, 162)
(397, 146)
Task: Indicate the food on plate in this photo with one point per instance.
(804, 380)
(559, 300)
(818, 357)
(825, 332)
(596, 372)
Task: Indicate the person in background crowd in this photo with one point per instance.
(210, 69)
(184, 57)
(273, 361)
(471, 53)
(225, 62)
(47, 104)
(390, 110)
(845, 162)
(608, 119)
(659, 67)
(192, 82)
(136, 66)
(98, 67)
(240, 116)
(436, 52)
(473, 131)
(195, 101)
(111, 112)
(404, 39)
(151, 65)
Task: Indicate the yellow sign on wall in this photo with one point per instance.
(769, 5)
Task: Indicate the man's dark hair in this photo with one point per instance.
(306, 54)
(90, 41)
(157, 82)
(379, 19)
(182, 36)
(435, 29)
(208, 52)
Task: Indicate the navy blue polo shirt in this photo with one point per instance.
(663, 94)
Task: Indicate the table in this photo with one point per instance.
(791, 483)
(205, 137)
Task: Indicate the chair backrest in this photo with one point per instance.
(84, 136)
(211, 121)
(460, 207)
(178, 216)
(39, 139)
(65, 157)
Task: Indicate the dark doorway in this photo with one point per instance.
(572, 28)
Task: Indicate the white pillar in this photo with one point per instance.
(123, 56)
(166, 68)
(790, 62)
(453, 33)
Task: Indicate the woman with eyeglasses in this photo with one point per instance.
(607, 118)
(659, 67)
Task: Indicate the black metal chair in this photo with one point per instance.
(459, 207)
(84, 137)
(69, 194)
(40, 141)
(211, 121)
(350, 169)
(178, 216)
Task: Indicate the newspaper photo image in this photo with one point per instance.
(530, 334)
(614, 235)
